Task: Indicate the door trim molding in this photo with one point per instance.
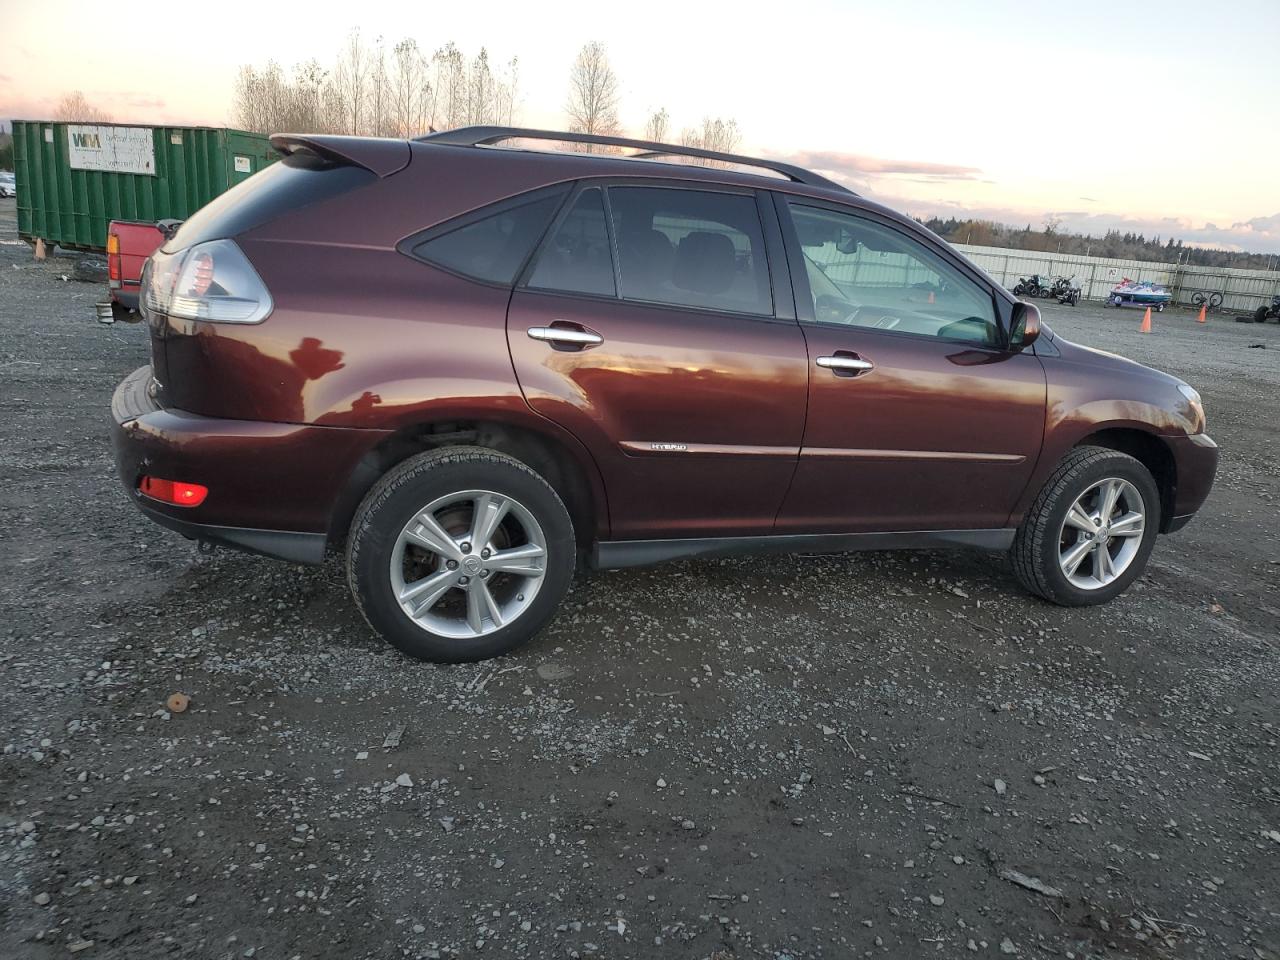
(652, 448)
(872, 454)
(616, 554)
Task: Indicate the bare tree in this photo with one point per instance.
(246, 101)
(658, 125)
(507, 96)
(408, 80)
(480, 89)
(350, 85)
(716, 134)
(308, 109)
(720, 135)
(450, 107)
(266, 101)
(379, 97)
(371, 90)
(593, 93)
(76, 107)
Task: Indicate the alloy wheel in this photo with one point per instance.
(1101, 533)
(468, 564)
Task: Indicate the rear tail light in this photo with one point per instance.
(209, 281)
(113, 258)
(173, 491)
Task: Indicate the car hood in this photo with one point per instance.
(1105, 360)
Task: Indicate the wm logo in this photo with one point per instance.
(87, 141)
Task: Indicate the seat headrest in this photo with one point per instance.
(705, 263)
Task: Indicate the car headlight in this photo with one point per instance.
(1197, 405)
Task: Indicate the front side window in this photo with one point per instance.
(492, 248)
(863, 273)
(576, 258)
(691, 248)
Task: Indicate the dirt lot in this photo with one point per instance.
(780, 758)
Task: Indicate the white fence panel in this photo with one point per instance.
(1243, 290)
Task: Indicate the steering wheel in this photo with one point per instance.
(833, 309)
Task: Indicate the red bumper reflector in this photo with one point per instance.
(173, 491)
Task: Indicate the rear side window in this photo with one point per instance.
(577, 257)
(491, 248)
(690, 247)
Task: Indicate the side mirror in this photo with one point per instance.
(1026, 325)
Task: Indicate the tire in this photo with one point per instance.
(380, 550)
(1215, 301)
(1044, 535)
(1260, 316)
(1198, 299)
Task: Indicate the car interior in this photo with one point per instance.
(863, 274)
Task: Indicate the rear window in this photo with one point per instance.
(491, 247)
(285, 185)
(691, 248)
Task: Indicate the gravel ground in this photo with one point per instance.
(877, 755)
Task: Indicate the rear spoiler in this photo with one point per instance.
(380, 156)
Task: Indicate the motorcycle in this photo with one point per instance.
(1265, 313)
(1035, 285)
(1065, 290)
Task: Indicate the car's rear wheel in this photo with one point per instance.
(460, 554)
(1090, 531)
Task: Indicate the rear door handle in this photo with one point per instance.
(845, 365)
(565, 336)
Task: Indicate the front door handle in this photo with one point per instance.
(845, 365)
(565, 336)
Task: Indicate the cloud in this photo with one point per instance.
(1265, 226)
(874, 177)
(1256, 235)
(859, 168)
(134, 101)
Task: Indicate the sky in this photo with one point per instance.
(1157, 117)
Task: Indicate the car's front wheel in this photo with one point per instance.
(1090, 531)
(460, 554)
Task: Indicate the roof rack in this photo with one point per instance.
(488, 135)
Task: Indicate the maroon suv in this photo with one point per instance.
(471, 365)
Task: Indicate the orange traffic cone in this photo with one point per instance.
(1200, 319)
(1146, 322)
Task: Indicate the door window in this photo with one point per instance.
(576, 259)
(690, 247)
(865, 274)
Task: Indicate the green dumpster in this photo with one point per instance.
(74, 178)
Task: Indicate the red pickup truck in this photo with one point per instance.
(129, 243)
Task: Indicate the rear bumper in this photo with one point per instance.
(1196, 464)
(272, 486)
